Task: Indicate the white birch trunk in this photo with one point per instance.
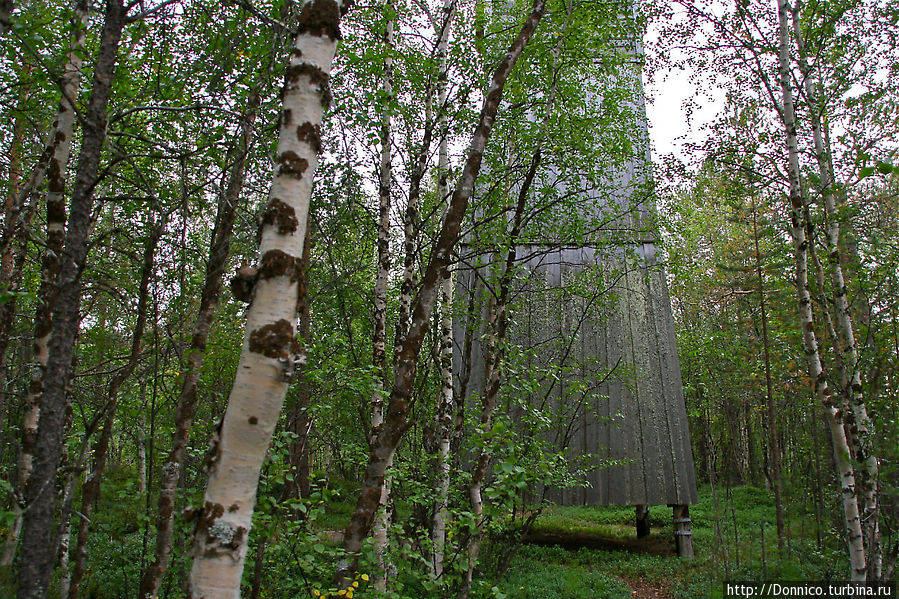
(142, 456)
(446, 402)
(270, 348)
(842, 455)
(847, 349)
(444, 425)
(379, 350)
(62, 133)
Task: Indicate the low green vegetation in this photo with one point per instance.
(732, 550)
(299, 557)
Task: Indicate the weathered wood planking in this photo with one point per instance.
(579, 313)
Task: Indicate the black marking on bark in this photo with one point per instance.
(56, 209)
(286, 116)
(311, 134)
(315, 74)
(253, 420)
(55, 180)
(296, 53)
(280, 215)
(292, 165)
(205, 516)
(277, 340)
(214, 451)
(233, 508)
(316, 77)
(276, 263)
(320, 18)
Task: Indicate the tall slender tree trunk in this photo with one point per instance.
(90, 490)
(219, 250)
(774, 451)
(855, 538)
(395, 423)
(270, 351)
(38, 545)
(65, 520)
(300, 419)
(445, 404)
(19, 210)
(857, 418)
(379, 337)
(63, 130)
(7, 283)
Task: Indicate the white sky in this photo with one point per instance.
(669, 128)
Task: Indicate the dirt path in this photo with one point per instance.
(646, 589)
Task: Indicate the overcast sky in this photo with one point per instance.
(665, 95)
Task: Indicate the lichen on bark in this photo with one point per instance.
(281, 216)
(320, 18)
(277, 340)
(276, 263)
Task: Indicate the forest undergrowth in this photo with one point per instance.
(733, 530)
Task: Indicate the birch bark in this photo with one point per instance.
(857, 418)
(446, 400)
(379, 339)
(270, 349)
(38, 545)
(63, 130)
(817, 375)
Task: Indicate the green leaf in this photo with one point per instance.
(884, 168)
(866, 172)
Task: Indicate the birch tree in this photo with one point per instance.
(795, 93)
(270, 351)
(39, 546)
(63, 129)
(446, 401)
(850, 377)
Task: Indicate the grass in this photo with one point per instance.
(729, 550)
(727, 537)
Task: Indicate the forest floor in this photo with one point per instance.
(570, 553)
(593, 552)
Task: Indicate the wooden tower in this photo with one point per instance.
(592, 324)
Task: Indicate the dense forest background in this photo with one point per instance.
(138, 142)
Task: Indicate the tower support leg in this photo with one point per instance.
(642, 520)
(683, 531)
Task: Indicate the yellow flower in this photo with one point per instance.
(316, 593)
(365, 577)
(349, 594)
(355, 584)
